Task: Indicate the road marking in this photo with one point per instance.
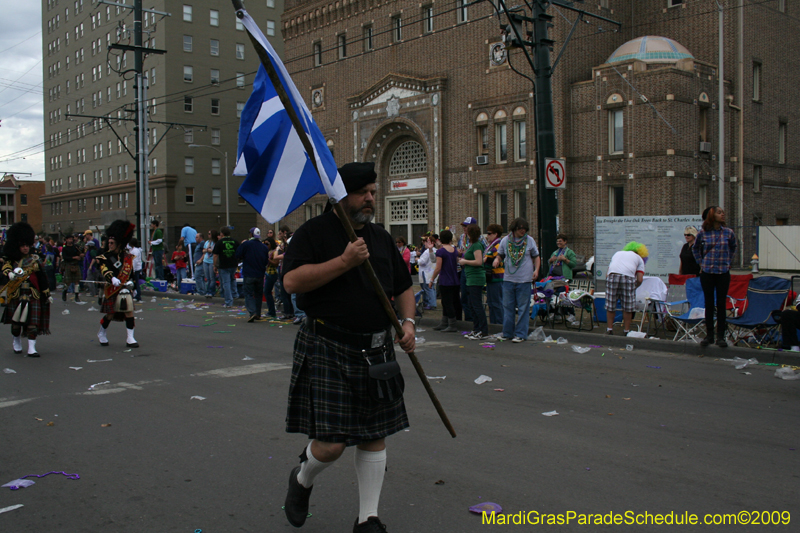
(11, 403)
(236, 371)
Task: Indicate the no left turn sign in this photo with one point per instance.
(555, 174)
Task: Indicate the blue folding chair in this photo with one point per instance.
(756, 326)
(689, 328)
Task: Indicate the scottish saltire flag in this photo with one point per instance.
(280, 174)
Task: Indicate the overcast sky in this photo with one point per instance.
(21, 95)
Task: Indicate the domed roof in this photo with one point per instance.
(651, 49)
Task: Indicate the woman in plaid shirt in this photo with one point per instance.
(714, 248)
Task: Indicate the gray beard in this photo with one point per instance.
(362, 218)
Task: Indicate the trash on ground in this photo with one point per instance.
(105, 425)
(93, 308)
(81, 303)
(658, 367)
(499, 390)
(551, 413)
(537, 334)
(740, 363)
(548, 339)
(246, 358)
(786, 373)
(482, 379)
(10, 508)
(98, 360)
(562, 340)
(440, 482)
(19, 484)
(629, 347)
(486, 507)
(637, 334)
(65, 312)
(579, 349)
(436, 377)
(197, 398)
(746, 373)
(98, 384)
(9, 371)
(76, 367)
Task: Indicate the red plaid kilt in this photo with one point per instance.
(328, 398)
(38, 316)
(108, 307)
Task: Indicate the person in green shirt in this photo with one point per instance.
(157, 247)
(563, 260)
(472, 262)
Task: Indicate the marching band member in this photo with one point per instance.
(116, 266)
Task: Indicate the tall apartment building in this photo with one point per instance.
(427, 91)
(195, 95)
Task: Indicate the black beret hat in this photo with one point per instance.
(357, 175)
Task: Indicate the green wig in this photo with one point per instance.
(637, 247)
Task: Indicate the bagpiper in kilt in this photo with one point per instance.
(116, 267)
(25, 291)
(346, 387)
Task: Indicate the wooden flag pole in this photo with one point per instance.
(351, 234)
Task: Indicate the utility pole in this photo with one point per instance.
(514, 36)
(721, 106)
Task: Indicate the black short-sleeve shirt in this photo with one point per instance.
(348, 301)
(226, 250)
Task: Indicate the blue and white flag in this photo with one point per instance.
(280, 173)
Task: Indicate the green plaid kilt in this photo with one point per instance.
(72, 273)
(38, 316)
(328, 398)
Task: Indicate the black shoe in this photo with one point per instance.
(296, 504)
(64, 296)
(722, 343)
(77, 299)
(252, 318)
(372, 525)
(129, 344)
(705, 342)
(34, 354)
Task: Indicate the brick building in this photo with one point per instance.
(427, 93)
(19, 202)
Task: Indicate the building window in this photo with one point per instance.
(427, 20)
(520, 205)
(501, 206)
(214, 76)
(214, 17)
(616, 201)
(702, 198)
(703, 126)
(188, 136)
(215, 106)
(317, 54)
(239, 109)
(520, 142)
(367, 38)
(189, 195)
(215, 135)
(461, 7)
(240, 80)
(215, 167)
(187, 13)
(239, 25)
(782, 143)
(408, 158)
(483, 210)
(308, 211)
(216, 196)
(188, 74)
(781, 221)
(271, 3)
(23, 199)
(214, 47)
(756, 81)
(483, 140)
(187, 104)
(342, 38)
(397, 28)
(757, 176)
(674, 3)
(501, 143)
(187, 43)
(270, 28)
(239, 51)
(188, 165)
(616, 144)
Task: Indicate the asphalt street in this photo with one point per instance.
(636, 431)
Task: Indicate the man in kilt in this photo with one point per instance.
(25, 290)
(332, 397)
(116, 266)
(71, 267)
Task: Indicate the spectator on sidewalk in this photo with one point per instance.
(688, 262)
(225, 264)
(157, 247)
(136, 251)
(197, 261)
(625, 274)
(494, 280)
(188, 239)
(208, 263)
(254, 256)
(447, 275)
(427, 264)
(271, 277)
(472, 263)
(179, 257)
(521, 260)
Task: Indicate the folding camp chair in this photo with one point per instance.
(688, 326)
(756, 327)
(737, 294)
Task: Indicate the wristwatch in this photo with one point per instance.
(408, 320)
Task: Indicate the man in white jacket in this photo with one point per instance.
(427, 264)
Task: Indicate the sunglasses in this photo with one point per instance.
(688, 235)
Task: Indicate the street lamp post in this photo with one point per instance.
(227, 205)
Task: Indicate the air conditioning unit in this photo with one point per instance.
(482, 160)
(705, 147)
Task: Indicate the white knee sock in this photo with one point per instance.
(310, 469)
(370, 469)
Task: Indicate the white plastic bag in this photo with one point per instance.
(579, 349)
(697, 313)
(562, 340)
(537, 334)
(740, 363)
(482, 379)
(786, 373)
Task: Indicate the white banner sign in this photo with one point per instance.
(402, 185)
(663, 237)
